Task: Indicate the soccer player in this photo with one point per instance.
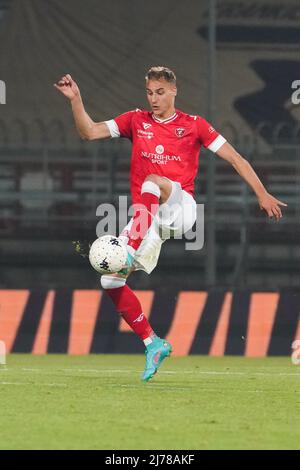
(165, 151)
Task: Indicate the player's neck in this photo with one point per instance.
(164, 116)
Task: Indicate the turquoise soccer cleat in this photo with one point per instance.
(155, 352)
(129, 263)
(130, 260)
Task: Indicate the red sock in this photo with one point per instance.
(128, 305)
(144, 214)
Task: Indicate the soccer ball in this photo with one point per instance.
(108, 254)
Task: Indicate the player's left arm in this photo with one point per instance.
(266, 201)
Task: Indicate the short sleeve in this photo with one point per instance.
(121, 126)
(208, 136)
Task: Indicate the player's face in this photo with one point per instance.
(161, 97)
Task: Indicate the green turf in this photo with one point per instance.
(98, 402)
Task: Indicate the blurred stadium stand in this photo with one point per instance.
(4, 5)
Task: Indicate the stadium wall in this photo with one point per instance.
(213, 323)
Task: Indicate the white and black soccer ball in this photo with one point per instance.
(108, 254)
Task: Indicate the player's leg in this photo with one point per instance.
(128, 306)
(164, 185)
(178, 219)
(154, 191)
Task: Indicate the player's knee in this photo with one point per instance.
(112, 282)
(154, 178)
(151, 186)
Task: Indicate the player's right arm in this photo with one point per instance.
(86, 127)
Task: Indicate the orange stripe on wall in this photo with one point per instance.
(298, 331)
(12, 305)
(261, 319)
(188, 313)
(40, 345)
(219, 341)
(146, 299)
(83, 320)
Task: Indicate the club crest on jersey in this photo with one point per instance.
(146, 125)
(180, 131)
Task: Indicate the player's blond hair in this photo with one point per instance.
(159, 71)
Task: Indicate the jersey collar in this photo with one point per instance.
(164, 121)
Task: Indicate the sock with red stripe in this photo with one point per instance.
(144, 214)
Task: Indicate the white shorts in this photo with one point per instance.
(174, 218)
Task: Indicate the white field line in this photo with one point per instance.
(102, 371)
(283, 374)
(167, 388)
(192, 372)
(97, 371)
(151, 386)
(155, 387)
(26, 384)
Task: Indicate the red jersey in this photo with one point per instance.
(169, 147)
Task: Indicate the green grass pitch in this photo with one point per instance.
(196, 402)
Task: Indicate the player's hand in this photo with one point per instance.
(68, 87)
(271, 205)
